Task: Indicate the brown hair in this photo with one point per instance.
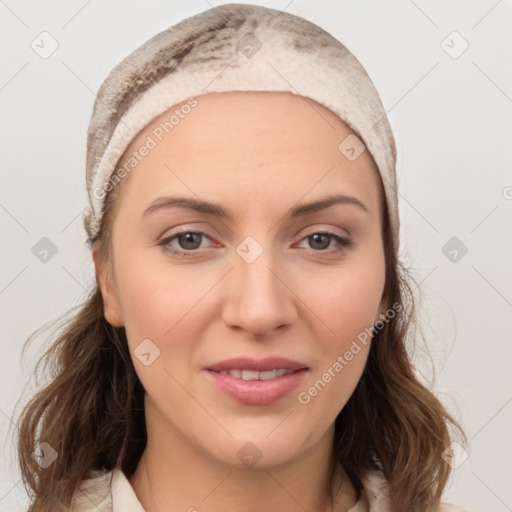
(92, 411)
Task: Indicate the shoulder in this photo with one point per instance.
(376, 495)
(94, 494)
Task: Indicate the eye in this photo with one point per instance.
(188, 241)
(321, 241)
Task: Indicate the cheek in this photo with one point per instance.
(161, 304)
(346, 302)
(346, 309)
(155, 295)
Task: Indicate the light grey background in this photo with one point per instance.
(451, 115)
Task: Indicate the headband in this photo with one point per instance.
(234, 47)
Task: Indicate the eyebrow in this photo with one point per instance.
(219, 211)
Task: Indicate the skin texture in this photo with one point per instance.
(258, 155)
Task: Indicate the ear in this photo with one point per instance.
(106, 284)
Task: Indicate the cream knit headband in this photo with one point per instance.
(233, 47)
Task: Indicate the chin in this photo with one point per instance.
(261, 449)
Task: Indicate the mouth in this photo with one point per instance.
(257, 382)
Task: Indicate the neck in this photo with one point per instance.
(174, 475)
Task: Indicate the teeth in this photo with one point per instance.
(249, 374)
(254, 375)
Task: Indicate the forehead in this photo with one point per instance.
(254, 144)
(259, 119)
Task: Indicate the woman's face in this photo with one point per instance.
(259, 282)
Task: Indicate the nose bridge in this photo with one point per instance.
(261, 302)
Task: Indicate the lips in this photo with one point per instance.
(257, 382)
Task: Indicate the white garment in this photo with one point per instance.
(112, 492)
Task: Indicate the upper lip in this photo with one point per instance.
(260, 365)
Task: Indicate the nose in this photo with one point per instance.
(259, 300)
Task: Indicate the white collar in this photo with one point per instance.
(124, 498)
(112, 492)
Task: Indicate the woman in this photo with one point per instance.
(245, 345)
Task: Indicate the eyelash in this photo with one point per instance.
(344, 243)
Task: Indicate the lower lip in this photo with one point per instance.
(257, 392)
